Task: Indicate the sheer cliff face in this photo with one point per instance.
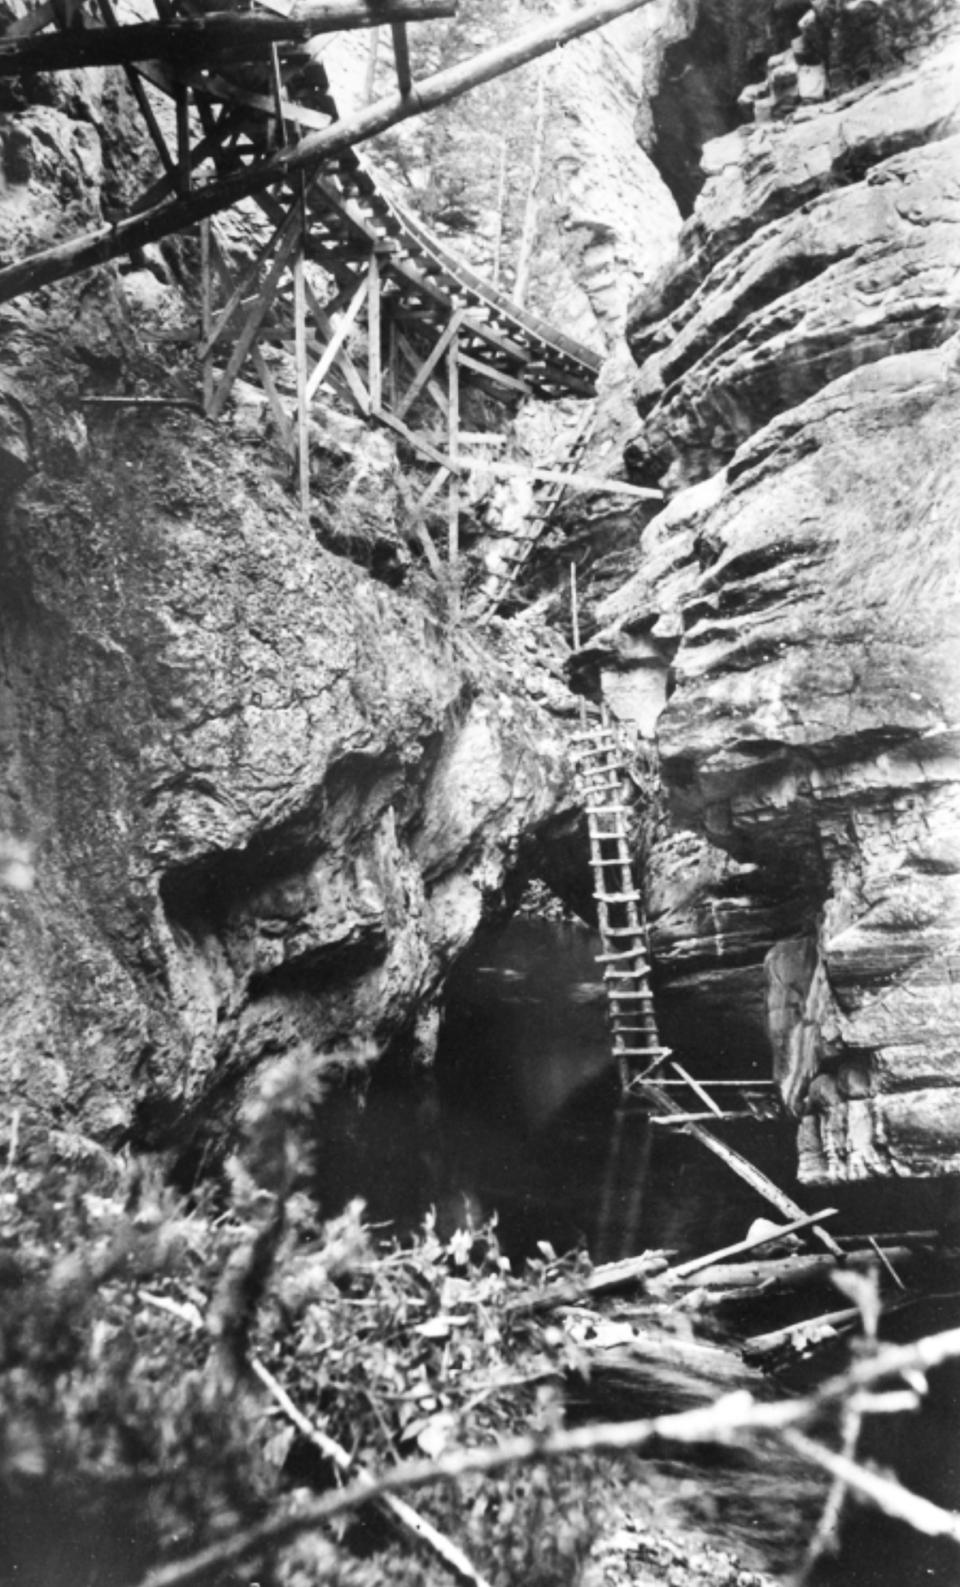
(268, 797)
(795, 614)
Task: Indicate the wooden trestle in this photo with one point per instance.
(626, 973)
(248, 96)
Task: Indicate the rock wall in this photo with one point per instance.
(797, 603)
(267, 798)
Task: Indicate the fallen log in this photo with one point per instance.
(755, 1243)
(784, 1274)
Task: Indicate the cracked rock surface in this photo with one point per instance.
(795, 609)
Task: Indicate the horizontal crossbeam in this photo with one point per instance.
(220, 36)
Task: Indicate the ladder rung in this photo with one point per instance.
(617, 898)
(623, 996)
(614, 958)
(626, 975)
(607, 863)
(606, 810)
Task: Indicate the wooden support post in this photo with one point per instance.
(374, 352)
(277, 82)
(453, 430)
(401, 56)
(206, 310)
(183, 138)
(300, 334)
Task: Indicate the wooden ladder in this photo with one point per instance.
(547, 497)
(626, 969)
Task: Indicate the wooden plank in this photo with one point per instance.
(374, 362)
(696, 1087)
(755, 1243)
(453, 429)
(358, 390)
(182, 102)
(334, 346)
(303, 402)
(250, 330)
(401, 56)
(599, 482)
(110, 241)
(430, 363)
(498, 376)
(206, 309)
(216, 37)
(740, 1165)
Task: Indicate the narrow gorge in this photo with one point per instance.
(343, 502)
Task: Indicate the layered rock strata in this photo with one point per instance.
(792, 631)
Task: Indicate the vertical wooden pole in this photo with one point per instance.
(574, 607)
(391, 364)
(453, 423)
(300, 331)
(371, 76)
(375, 360)
(277, 82)
(183, 138)
(206, 309)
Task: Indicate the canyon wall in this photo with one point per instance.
(791, 630)
(266, 796)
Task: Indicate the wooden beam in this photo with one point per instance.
(616, 487)
(429, 363)
(108, 242)
(218, 37)
(303, 401)
(489, 372)
(401, 56)
(374, 358)
(453, 430)
(206, 310)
